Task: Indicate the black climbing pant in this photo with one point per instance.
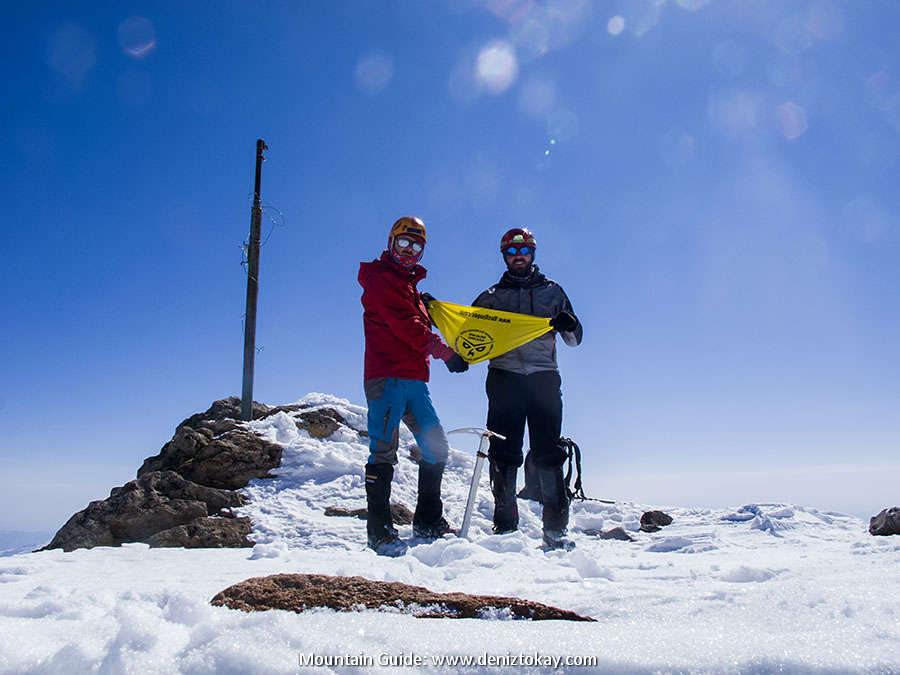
(514, 399)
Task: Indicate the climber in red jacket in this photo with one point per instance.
(399, 341)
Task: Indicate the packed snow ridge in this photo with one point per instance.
(753, 589)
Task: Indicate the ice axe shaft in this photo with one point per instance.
(485, 435)
(473, 487)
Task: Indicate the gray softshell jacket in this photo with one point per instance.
(537, 295)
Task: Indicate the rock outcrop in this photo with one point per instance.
(885, 523)
(215, 449)
(155, 502)
(183, 495)
(299, 592)
(205, 533)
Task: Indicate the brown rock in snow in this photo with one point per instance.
(299, 592)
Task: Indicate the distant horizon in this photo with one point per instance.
(637, 486)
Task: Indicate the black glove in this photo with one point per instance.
(426, 298)
(564, 322)
(457, 364)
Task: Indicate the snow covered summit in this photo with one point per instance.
(755, 588)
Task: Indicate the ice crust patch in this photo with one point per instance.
(743, 574)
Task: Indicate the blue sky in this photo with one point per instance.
(713, 183)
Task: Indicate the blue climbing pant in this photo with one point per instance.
(392, 399)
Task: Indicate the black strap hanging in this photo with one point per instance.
(574, 457)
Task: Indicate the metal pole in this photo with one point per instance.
(252, 289)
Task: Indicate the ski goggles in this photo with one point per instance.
(403, 242)
(518, 250)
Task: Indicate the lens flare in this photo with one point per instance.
(567, 20)
(497, 67)
(824, 21)
(537, 97)
(615, 25)
(137, 37)
(538, 27)
(792, 35)
(737, 113)
(642, 16)
(692, 5)
(531, 38)
(791, 120)
(374, 72)
(509, 10)
(72, 54)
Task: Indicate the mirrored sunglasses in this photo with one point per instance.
(403, 242)
(521, 250)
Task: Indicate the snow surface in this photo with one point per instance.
(757, 589)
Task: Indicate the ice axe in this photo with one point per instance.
(485, 435)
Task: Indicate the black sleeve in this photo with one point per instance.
(573, 337)
(484, 300)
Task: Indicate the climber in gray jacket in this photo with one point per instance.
(524, 385)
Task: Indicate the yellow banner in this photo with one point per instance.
(478, 334)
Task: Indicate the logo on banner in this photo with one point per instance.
(474, 344)
(479, 333)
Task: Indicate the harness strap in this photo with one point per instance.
(574, 456)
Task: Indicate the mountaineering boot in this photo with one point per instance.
(503, 485)
(390, 545)
(558, 539)
(435, 531)
(532, 488)
(428, 523)
(381, 536)
(555, 514)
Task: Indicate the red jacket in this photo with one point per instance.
(398, 329)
